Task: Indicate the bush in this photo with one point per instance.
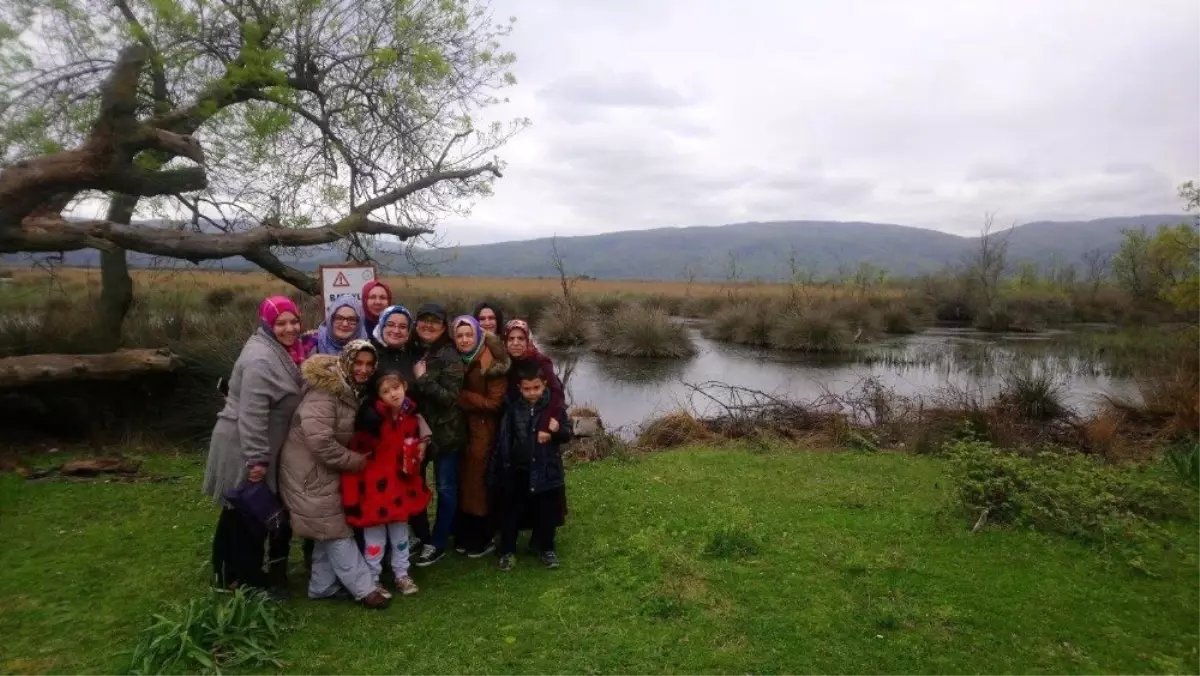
(225, 630)
(1067, 494)
(811, 330)
(1183, 457)
(561, 325)
(747, 323)
(1037, 397)
(897, 320)
(639, 331)
(219, 299)
(672, 429)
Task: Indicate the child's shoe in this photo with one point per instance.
(383, 591)
(507, 562)
(375, 601)
(480, 553)
(406, 586)
(550, 559)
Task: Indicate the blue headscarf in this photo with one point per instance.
(377, 334)
(327, 343)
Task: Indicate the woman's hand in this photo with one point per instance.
(257, 473)
(554, 424)
(543, 437)
(421, 451)
(419, 368)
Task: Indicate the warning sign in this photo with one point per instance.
(344, 280)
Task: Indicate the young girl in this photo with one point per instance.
(391, 488)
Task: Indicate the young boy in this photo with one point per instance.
(383, 497)
(526, 470)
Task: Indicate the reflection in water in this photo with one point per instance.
(628, 391)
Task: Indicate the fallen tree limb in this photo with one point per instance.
(120, 365)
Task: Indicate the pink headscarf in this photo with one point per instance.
(521, 325)
(269, 310)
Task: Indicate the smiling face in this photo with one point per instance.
(395, 331)
(430, 328)
(345, 323)
(517, 343)
(377, 301)
(464, 338)
(286, 328)
(487, 320)
(364, 366)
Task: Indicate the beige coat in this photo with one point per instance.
(316, 453)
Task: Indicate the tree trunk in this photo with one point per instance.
(122, 365)
(116, 286)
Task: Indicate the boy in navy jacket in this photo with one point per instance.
(526, 470)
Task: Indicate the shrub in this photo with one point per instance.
(1183, 457)
(1067, 494)
(225, 630)
(812, 330)
(219, 299)
(639, 331)
(1037, 397)
(897, 320)
(672, 429)
(745, 324)
(561, 325)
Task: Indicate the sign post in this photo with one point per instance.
(344, 280)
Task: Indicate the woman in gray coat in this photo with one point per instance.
(264, 391)
(313, 459)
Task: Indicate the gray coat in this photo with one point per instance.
(264, 391)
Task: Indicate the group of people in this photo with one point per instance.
(341, 424)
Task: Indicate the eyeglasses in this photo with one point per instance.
(338, 319)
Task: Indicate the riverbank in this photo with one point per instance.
(697, 560)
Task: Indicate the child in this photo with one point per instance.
(381, 498)
(526, 470)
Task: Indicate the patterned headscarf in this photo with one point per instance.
(470, 321)
(377, 334)
(268, 311)
(521, 325)
(346, 364)
(327, 343)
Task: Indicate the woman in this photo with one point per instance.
(263, 392)
(343, 323)
(311, 463)
(393, 339)
(376, 297)
(490, 317)
(437, 380)
(482, 396)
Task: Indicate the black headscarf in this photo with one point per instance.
(494, 307)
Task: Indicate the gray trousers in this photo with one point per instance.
(337, 561)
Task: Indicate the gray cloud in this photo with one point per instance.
(927, 112)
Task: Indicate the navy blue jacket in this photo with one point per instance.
(518, 429)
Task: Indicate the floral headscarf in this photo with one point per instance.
(269, 311)
(470, 321)
(521, 325)
(346, 363)
(377, 334)
(327, 343)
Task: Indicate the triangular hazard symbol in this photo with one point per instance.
(341, 280)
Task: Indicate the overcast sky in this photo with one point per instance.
(650, 113)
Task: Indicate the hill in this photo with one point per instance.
(761, 250)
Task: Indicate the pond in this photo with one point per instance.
(626, 392)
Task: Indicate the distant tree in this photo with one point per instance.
(1095, 270)
(1132, 266)
(986, 266)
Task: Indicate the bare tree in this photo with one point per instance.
(1095, 269)
(689, 278)
(987, 265)
(567, 283)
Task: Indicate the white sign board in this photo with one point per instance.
(344, 280)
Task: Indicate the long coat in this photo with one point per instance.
(264, 390)
(436, 394)
(317, 452)
(482, 398)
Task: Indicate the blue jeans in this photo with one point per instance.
(445, 472)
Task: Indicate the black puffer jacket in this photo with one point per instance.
(517, 445)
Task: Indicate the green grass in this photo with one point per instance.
(689, 561)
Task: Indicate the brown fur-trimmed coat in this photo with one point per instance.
(482, 398)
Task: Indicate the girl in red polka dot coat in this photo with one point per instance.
(391, 489)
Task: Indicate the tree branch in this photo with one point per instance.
(268, 261)
(424, 182)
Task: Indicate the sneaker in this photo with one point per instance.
(375, 601)
(406, 586)
(507, 562)
(383, 590)
(429, 555)
(487, 549)
(459, 549)
(550, 559)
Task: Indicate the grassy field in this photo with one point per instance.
(841, 562)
